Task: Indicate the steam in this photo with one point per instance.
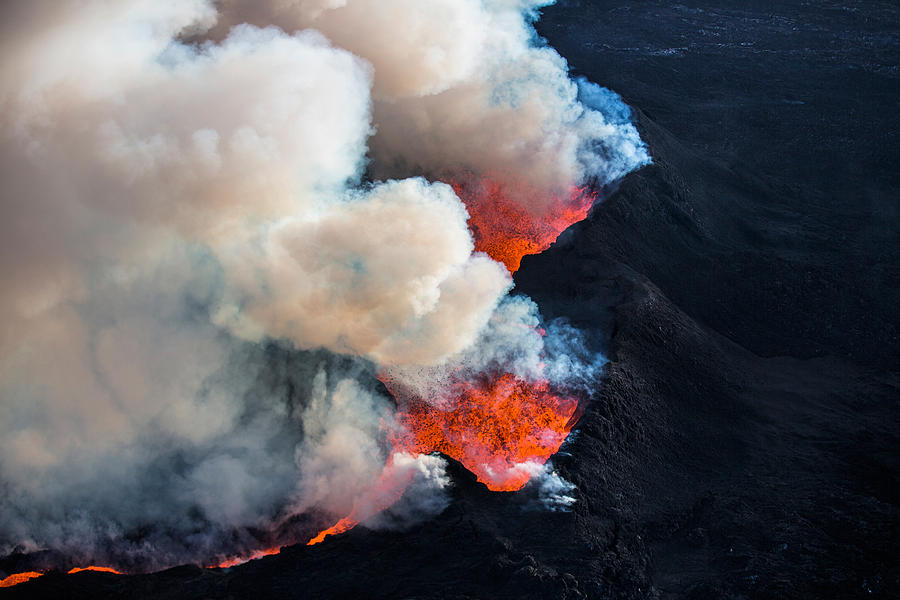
(511, 342)
(465, 86)
(550, 491)
(424, 497)
(415, 302)
(223, 219)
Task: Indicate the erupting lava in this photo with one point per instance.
(239, 560)
(18, 578)
(345, 524)
(393, 481)
(505, 230)
(92, 568)
(501, 428)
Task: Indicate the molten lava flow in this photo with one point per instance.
(501, 428)
(504, 228)
(389, 488)
(23, 577)
(231, 562)
(345, 524)
(18, 578)
(93, 568)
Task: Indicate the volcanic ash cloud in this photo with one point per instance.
(225, 220)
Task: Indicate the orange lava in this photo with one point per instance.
(93, 568)
(18, 578)
(345, 524)
(231, 562)
(506, 229)
(389, 488)
(500, 428)
(23, 577)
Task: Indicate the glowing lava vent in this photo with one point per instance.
(501, 428)
(506, 227)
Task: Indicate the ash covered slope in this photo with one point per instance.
(745, 442)
(778, 129)
(756, 271)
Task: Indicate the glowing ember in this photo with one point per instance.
(92, 568)
(503, 227)
(499, 428)
(18, 578)
(231, 562)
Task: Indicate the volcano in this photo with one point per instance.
(743, 440)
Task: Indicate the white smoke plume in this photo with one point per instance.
(512, 341)
(548, 490)
(205, 261)
(464, 86)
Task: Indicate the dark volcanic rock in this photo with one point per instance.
(745, 443)
(774, 125)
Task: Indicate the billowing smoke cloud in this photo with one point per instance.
(206, 260)
(415, 302)
(512, 341)
(464, 86)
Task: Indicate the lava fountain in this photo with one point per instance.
(199, 290)
(499, 426)
(506, 229)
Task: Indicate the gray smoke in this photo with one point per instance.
(205, 263)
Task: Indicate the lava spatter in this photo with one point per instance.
(500, 427)
(503, 224)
